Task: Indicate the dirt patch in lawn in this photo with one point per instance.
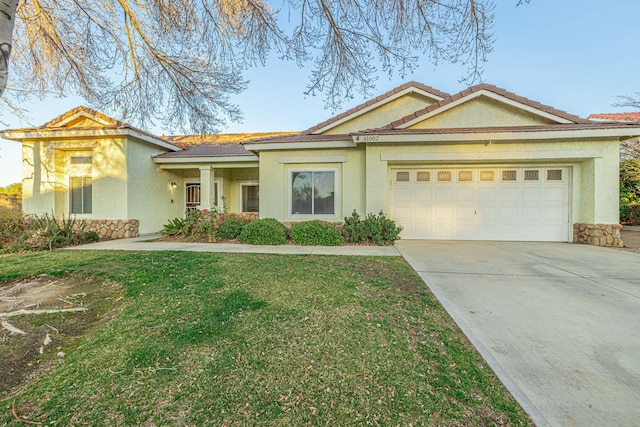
(33, 340)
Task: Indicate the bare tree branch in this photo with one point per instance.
(178, 62)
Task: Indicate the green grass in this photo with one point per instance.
(237, 339)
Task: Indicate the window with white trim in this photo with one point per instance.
(312, 192)
(80, 194)
(250, 194)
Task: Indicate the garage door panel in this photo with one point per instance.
(530, 193)
(465, 213)
(444, 195)
(443, 213)
(485, 194)
(509, 203)
(423, 194)
(423, 212)
(402, 195)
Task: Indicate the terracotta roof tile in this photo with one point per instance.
(301, 137)
(375, 100)
(190, 141)
(633, 116)
(536, 128)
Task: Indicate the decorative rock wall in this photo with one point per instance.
(109, 229)
(598, 234)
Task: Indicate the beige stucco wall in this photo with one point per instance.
(384, 114)
(46, 172)
(274, 176)
(481, 112)
(150, 197)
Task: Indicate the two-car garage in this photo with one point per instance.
(525, 203)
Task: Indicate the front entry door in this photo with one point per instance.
(192, 196)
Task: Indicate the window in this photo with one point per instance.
(250, 197)
(509, 175)
(465, 176)
(80, 194)
(486, 176)
(81, 160)
(313, 193)
(531, 175)
(554, 174)
(402, 176)
(423, 176)
(444, 176)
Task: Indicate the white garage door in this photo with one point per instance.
(506, 203)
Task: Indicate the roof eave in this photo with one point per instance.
(622, 134)
(300, 145)
(205, 159)
(27, 134)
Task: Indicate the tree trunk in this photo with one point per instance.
(7, 21)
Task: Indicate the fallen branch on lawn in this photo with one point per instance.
(22, 420)
(23, 311)
(9, 327)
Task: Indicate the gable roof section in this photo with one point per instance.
(86, 122)
(81, 112)
(491, 91)
(376, 102)
(633, 116)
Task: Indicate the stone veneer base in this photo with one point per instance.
(598, 234)
(109, 229)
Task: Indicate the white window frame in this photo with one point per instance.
(336, 193)
(79, 170)
(246, 183)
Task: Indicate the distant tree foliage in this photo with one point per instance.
(15, 188)
(179, 61)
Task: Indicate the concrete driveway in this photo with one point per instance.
(558, 322)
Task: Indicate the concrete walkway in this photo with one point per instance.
(559, 323)
(147, 243)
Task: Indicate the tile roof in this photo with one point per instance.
(495, 129)
(301, 137)
(375, 100)
(216, 145)
(633, 116)
(490, 88)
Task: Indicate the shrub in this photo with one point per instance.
(316, 233)
(175, 227)
(375, 228)
(48, 232)
(629, 186)
(230, 229)
(633, 213)
(196, 225)
(353, 229)
(267, 231)
(11, 224)
(90, 237)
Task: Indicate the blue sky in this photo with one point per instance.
(573, 55)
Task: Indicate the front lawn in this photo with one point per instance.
(241, 339)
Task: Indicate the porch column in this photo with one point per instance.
(207, 187)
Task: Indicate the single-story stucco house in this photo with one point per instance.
(483, 164)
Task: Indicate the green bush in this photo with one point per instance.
(90, 237)
(316, 233)
(633, 213)
(197, 225)
(267, 231)
(629, 186)
(353, 229)
(11, 224)
(230, 229)
(375, 228)
(47, 232)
